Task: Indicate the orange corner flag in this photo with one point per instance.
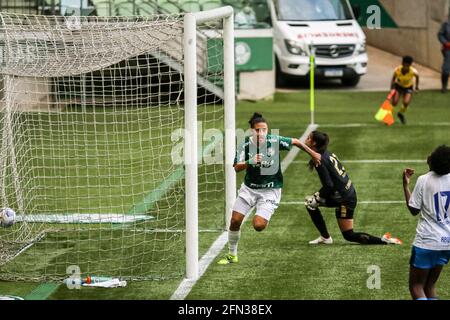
(384, 114)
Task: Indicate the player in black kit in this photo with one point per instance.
(337, 192)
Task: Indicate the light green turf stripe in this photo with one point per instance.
(156, 195)
(42, 291)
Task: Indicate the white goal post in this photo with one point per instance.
(191, 157)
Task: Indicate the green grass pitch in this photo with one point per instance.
(278, 263)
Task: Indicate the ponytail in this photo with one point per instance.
(256, 118)
(322, 140)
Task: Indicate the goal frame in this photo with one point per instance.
(191, 20)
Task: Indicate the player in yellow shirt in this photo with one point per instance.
(403, 82)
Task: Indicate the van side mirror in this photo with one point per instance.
(356, 11)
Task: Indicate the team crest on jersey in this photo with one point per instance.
(270, 152)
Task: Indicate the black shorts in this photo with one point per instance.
(403, 90)
(345, 208)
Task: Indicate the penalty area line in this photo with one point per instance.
(376, 161)
(186, 285)
(373, 125)
(359, 202)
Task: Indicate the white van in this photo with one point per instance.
(327, 26)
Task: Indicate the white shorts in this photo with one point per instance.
(265, 200)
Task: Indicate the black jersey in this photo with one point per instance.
(334, 178)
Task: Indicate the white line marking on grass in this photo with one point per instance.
(375, 161)
(186, 285)
(385, 161)
(356, 125)
(430, 124)
(361, 202)
(348, 125)
(83, 218)
(294, 151)
(168, 230)
(382, 202)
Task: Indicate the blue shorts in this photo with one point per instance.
(427, 259)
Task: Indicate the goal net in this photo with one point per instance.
(92, 115)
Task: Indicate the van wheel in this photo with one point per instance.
(351, 81)
(280, 78)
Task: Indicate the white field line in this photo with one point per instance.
(376, 161)
(359, 202)
(356, 125)
(83, 218)
(186, 285)
(169, 230)
(349, 125)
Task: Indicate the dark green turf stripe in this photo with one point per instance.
(156, 195)
(42, 291)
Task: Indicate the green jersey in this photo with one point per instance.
(266, 174)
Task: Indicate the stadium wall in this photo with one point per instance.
(418, 24)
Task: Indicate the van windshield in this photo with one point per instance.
(312, 10)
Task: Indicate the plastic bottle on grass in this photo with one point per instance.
(95, 279)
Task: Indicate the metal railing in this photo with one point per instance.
(88, 7)
(48, 7)
(20, 6)
(30, 6)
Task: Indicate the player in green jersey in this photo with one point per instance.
(259, 156)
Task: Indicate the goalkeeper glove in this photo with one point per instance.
(314, 201)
